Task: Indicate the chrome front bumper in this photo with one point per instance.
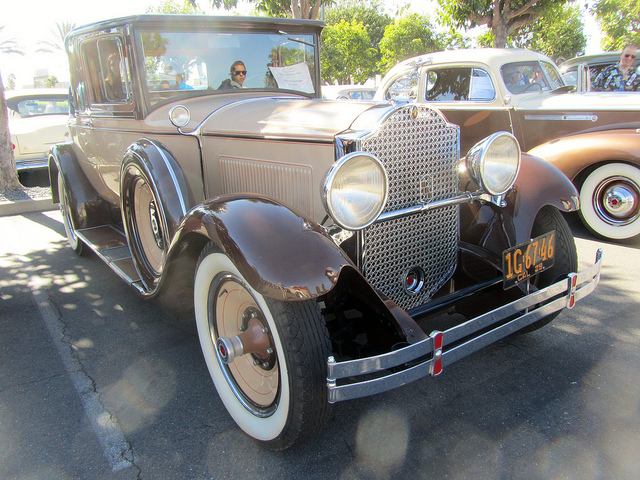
(32, 164)
(430, 356)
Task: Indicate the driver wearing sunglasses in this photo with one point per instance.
(238, 73)
(620, 77)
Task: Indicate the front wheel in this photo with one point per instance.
(267, 358)
(566, 257)
(610, 201)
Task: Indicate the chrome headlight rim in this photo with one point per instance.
(478, 158)
(179, 116)
(332, 177)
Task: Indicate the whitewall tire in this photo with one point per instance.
(610, 201)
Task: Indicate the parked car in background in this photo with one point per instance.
(595, 63)
(331, 250)
(356, 93)
(591, 137)
(37, 120)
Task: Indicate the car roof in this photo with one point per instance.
(489, 56)
(493, 57)
(200, 21)
(35, 92)
(604, 58)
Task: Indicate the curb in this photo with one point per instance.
(26, 206)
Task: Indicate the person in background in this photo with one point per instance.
(238, 74)
(619, 77)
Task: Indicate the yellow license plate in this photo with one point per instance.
(523, 261)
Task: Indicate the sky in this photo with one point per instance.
(28, 21)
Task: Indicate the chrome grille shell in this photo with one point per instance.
(420, 151)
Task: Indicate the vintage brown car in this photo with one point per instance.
(330, 250)
(592, 137)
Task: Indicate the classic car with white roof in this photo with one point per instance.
(330, 250)
(37, 120)
(592, 137)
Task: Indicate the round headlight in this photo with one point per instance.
(494, 162)
(355, 190)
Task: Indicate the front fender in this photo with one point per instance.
(576, 153)
(86, 207)
(279, 252)
(538, 184)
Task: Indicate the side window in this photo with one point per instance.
(448, 84)
(107, 70)
(481, 89)
(553, 74)
(404, 88)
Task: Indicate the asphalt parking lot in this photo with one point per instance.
(96, 382)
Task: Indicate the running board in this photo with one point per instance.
(110, 244)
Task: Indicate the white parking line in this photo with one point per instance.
(115, 446)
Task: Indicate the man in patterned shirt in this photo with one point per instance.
(620, 77)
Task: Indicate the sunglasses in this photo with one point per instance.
(240, 72)
(627, 55)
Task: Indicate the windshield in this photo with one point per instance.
(181, 64)
(520, 77)
(38, 106)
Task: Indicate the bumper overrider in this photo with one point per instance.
(367, 376)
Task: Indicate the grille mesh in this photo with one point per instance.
(416, 151)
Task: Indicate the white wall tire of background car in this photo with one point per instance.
(74, 242)
(295, 401)
(610, 201)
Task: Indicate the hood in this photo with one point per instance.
(290, 117)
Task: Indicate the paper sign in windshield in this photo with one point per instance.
(293, 77)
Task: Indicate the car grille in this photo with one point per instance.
(421, 156)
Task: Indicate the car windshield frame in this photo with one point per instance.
(38, 105)
(200, 61)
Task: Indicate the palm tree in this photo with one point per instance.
(56, 42)
(8, 174)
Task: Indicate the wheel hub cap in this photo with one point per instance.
(617, 201)
(155, 225)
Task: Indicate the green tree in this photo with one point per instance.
(55, 43)
(11, 81)
(347, 54)
(50, 82)
(371, 15)
(177, 7)
(620, 22)
(407, 37)
(8, 174)
(559, 33)
(309, 9)
(508, 17)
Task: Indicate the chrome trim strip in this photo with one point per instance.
(587, 280)
(574, 118)
(174, 179)
(32, 164)
(468, 197)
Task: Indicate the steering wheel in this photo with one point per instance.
(534, 84)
